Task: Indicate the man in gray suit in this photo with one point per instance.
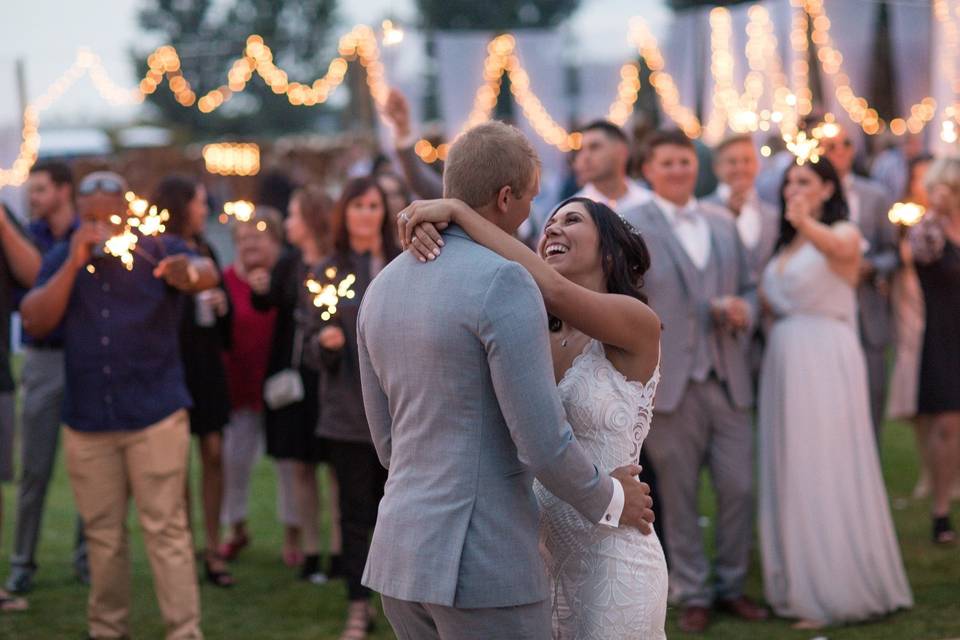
(464, 412)
(869, 205)
(700, 285)
(758, 223)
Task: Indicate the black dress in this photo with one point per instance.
(291, 429)
(343, 424)
(940, 361)
(201, 350)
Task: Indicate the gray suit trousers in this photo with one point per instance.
(877, 377)
(418, 621)
(42, 386)
(705, 430)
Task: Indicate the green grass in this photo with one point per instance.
(269, 603)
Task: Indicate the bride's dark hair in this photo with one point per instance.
(623, 252)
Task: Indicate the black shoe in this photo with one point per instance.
(336, 567)
(310, 570)
(20, 580)
(223, 579)
(943, 532)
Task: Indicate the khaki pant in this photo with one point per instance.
(105, 468)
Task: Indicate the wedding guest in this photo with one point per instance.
(365, 243)
(935, 249)
(868, 205)
(736, 164)
(127, 424)
(258, 243)
(291, 416)
(54, 218)
(204, 333)
(829, 549)
(601, 164)
(700, 285)
(422, 179)
(19, 264)
(906, 299)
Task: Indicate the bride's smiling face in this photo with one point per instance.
(571, 242)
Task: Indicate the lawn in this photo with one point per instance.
(269, 603)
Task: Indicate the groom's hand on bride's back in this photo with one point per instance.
(637, 503)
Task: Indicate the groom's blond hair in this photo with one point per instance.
(487, 158)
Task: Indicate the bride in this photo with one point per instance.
(607, 582)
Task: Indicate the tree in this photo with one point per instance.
(495, 15)
(209, 35)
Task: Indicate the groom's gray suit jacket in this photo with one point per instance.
(459, 393)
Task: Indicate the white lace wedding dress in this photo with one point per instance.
(607, 583)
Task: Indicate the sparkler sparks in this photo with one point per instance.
(240, 210)
(906, 214)
(327, 295)
(143, 219)
(806, 149)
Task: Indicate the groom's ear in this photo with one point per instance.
(503, 199)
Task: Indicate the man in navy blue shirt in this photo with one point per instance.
(53, 219)
(125, 406)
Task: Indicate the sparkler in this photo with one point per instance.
(805, 148)
(327, 295)
(906, 214)
(143, 219)
(240, 210)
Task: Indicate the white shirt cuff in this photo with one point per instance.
(615, 509)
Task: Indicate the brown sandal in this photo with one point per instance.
(10, 603)
(359, 621)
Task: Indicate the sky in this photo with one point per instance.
(46, 35)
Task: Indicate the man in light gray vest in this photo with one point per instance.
(700, 285)
(736, 164)
(460, 396)
(869, 205)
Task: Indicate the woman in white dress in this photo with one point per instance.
(607, 582)
(829, 549)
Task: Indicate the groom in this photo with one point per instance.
(459, 391)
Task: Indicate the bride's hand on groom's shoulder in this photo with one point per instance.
(637, 503)
(420, 224)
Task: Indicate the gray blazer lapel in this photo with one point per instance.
(681, 260)
(720, 249)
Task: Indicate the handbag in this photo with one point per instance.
(285, 387)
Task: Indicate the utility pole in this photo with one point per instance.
(21, 75)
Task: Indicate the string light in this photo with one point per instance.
(858, 108)
(392, 35)
(501, 58)
(948, 64)
(802, 97)
(662, 81)
(232, 158)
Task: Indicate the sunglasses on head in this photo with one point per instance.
(105, 184)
